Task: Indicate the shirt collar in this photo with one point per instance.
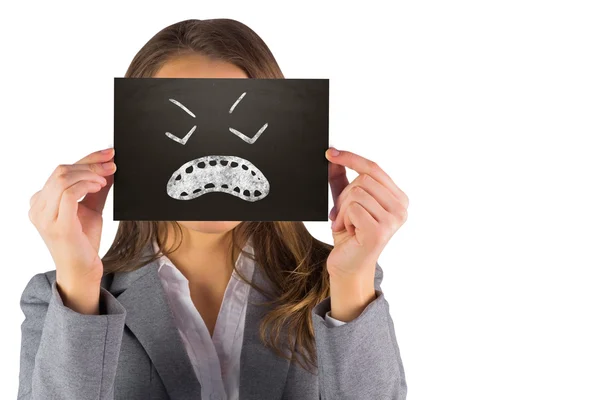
(243, 262)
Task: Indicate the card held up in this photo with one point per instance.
(195, 149)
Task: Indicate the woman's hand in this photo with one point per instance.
(71, 229)
(366, 213)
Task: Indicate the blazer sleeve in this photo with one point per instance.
(64, 354)
(360, 359)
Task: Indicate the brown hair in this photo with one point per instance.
(291, 259)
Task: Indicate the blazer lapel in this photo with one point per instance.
(262, 373)
(150, 319)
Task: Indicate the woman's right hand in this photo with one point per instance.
(71, 229)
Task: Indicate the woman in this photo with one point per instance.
(211, 310)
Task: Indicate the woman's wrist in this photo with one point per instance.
(350, 296)
(80, 297)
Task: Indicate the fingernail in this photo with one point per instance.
(108, 165)
(107, 150)
(333, 151)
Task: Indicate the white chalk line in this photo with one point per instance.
(246, 138)
(236, 102)
(185, 138)
(182, 106)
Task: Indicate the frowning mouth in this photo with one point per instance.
(228, 174)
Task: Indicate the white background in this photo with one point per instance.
(485, 113)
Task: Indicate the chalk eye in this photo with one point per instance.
(249, 140)
(187, 136)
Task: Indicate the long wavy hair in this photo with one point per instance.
(290, 258)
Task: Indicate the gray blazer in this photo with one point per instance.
(134, 351)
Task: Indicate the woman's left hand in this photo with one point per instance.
(366, 214)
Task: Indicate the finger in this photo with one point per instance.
(34, 198)
(63, 181)
(347, 224)
(37, 205)
(95, 201)
(337, 207)
(365, 166)
(364, 224)
(332, 213)
(338, 181)
(60, 183)
(381, 193)
(361, 196)
(101, 169)
(97, 156)
(69, 200)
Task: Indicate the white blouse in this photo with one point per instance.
(216, 359)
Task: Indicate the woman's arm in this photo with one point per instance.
(73, 328)
(65, 354)
(360, 359)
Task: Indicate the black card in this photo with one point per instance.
(191, 149)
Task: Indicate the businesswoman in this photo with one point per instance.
(210, 310)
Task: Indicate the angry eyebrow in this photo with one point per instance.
(184, 108)
(236, 102)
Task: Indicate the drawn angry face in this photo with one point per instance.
(258, 143)
(218, 173)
